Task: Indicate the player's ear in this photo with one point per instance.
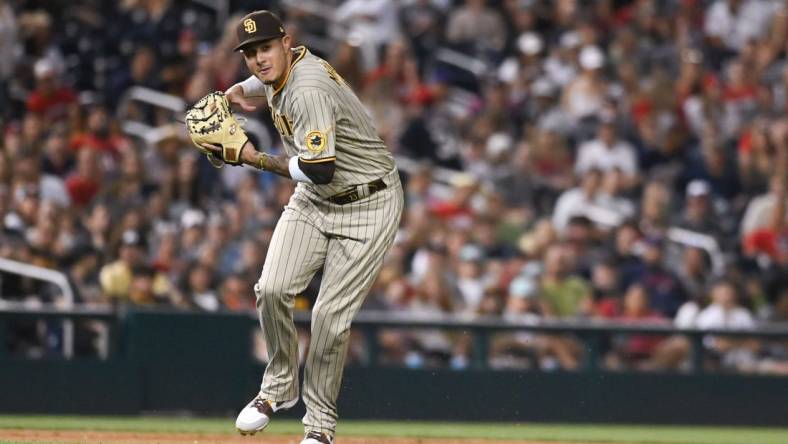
(287, 42)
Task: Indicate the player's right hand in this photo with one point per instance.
(235, 95)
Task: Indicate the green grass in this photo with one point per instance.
(542, 432)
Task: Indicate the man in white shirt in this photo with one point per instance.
(372, 23)
(579, 201)
(736, 22)
(607, 152)
(760, 210)
(724, 311)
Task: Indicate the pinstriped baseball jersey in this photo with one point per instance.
(320, 119)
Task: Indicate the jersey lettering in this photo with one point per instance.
(282, 124)
(333, 74)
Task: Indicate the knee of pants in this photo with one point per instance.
(268, 293)
(332, 328)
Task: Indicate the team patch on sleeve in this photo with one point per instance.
(315, 141)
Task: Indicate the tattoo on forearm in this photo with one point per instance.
(274, 164)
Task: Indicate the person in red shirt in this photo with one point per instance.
(605, 283)
(84, 183)
(630, 350)
(457, 209)
(50, 98)
(98, 135)
(399, 74)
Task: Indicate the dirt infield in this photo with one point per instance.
(75, 436)
(78, 436)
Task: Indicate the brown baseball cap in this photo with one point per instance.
(258, 26)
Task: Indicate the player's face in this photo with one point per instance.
(268, 60)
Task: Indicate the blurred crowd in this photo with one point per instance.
(617, 160)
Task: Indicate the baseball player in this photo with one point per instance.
(343, 216)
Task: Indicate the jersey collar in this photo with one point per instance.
(299, 54)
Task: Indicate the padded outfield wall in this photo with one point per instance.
(202, 363)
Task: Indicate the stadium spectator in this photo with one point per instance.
(607, 152)
(551, 160)
(84, 183)
(57, 159)
(754, 156)
(612, 197)
(564, 295)
(561, 65)
(724, 310)
(371, 23)
(234, 294)
(141, 286)
(98, 134)
(131, 274)
(664, 289)
(476, 27)
(694, 272)
(199, 288)
(584, 96)
(606, 287)
(27, 173)
(628, 351)
(579, 201)
(698, 214)
(655, 209)
(472, 281)
(97, 223)
(51, 99)
(519, 349)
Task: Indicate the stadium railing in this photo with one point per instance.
(60, 280)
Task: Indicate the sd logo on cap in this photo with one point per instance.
(250, 26)
(258, 26)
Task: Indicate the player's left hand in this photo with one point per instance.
(216, 150)
(214, 130)
(214, 154)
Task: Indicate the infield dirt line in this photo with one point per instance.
(110, 437)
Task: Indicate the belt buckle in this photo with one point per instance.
(363, 190)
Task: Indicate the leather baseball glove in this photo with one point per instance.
(210, 121)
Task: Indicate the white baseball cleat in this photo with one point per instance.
(317, 438)
(256, 415)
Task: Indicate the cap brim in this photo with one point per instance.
(256, 39)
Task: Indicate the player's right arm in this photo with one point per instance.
(251, 156)
(264, 161)
(289, 167)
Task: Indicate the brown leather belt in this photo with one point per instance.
(358, 193)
